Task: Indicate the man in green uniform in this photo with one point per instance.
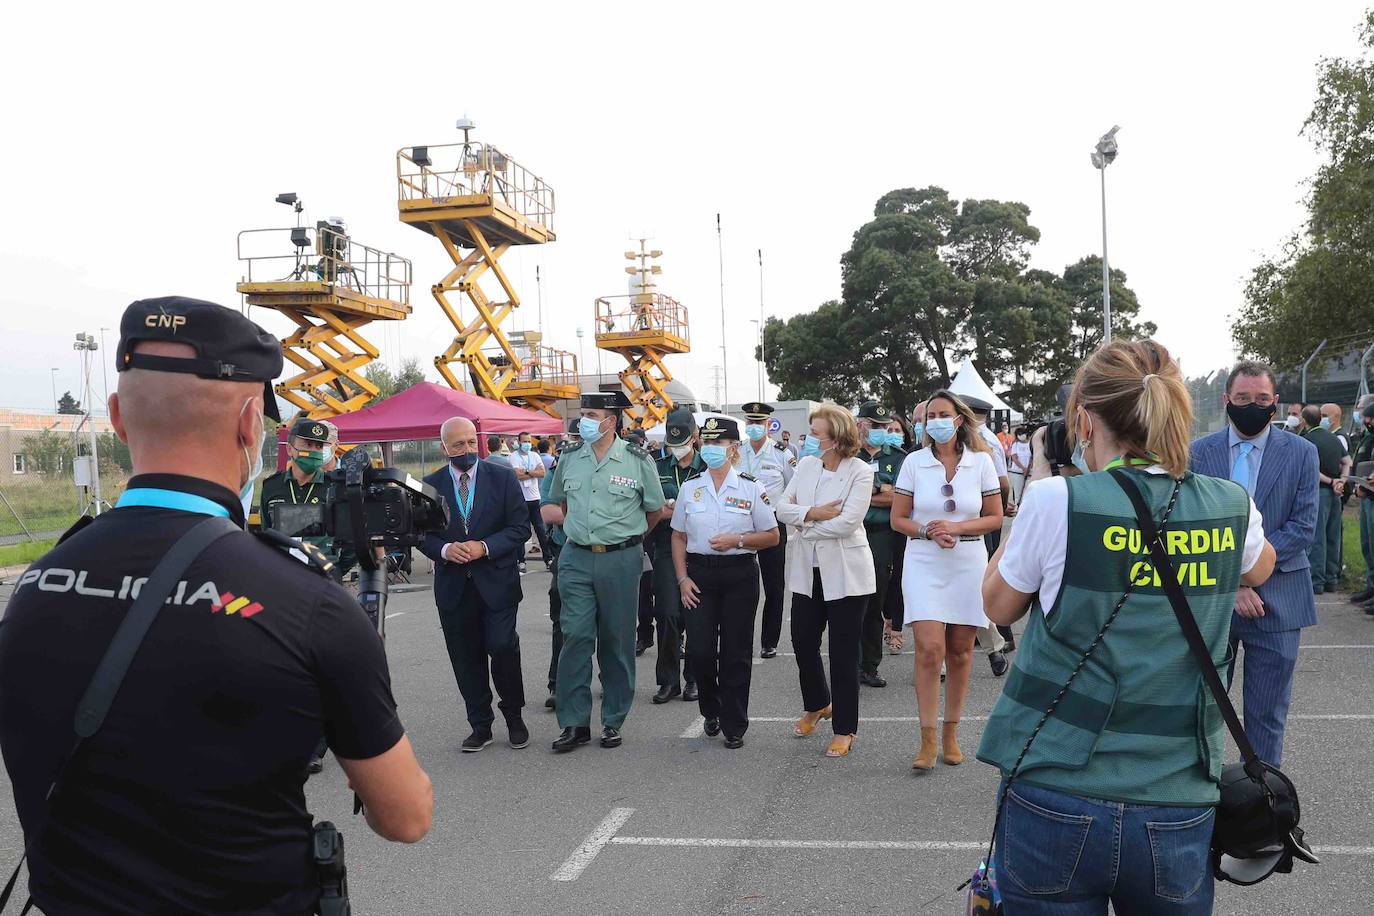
(1364, 451)
(887, 462)
(293, 500)
(682, 462)
(609, 492)
(1324, 554)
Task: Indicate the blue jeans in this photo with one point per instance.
(1064, 855)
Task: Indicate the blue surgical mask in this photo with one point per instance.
(877, 437)
(941, 429)
(918, 431)
(895, 440)
(811, 448)
(255, 468)
(1326, 423)
(525, 447)
(713, 455)
(755, 432)
(590, 429)
(1079, 461)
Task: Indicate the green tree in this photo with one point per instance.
(391, 383)
(1317, 286)
(68, 404)
(114, 454)
(48, 453)
(408, 375)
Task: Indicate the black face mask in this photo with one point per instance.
(463, 462)
(1250, 419)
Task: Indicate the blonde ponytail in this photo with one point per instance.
(1137, 389)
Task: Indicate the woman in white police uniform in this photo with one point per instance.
(722, 518)
(947, 497)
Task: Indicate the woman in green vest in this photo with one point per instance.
(1113, 799)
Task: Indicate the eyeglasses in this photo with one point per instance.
(948, 490)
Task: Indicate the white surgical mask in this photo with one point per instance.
(680, 451)
(1291, 422)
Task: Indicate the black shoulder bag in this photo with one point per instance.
(1256, 832)
(114, 664)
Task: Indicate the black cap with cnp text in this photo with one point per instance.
(229, 347)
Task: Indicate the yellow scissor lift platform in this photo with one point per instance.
(644, 327)
(330, 286)
(478, 202)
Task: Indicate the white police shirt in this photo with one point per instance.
(773, 466)
(741, 507)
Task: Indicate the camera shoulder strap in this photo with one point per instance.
(1188, 623)
(114, 664)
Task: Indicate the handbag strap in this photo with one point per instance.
(1196, 644)
(119, 655)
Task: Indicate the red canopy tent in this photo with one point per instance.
(418, 412)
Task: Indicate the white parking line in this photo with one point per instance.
(397, 614)
(1305, 648)
(605, 835)
(596, 841)
(697, 728)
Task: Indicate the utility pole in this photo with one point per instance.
(763, 370)
(715, 381)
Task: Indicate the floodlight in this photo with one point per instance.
(420, 156)
(632, 270)
(655, 269)
(300, 237)
(656, 253)
(631, 255)
(289, 199)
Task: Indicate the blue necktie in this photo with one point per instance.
(1240, 471)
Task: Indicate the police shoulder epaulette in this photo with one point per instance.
(572, 446)
(779, 446)
(315, 558)
(638, 451)
(748, 476)
(695, 475)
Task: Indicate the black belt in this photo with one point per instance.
(729, 559)
(609, 548)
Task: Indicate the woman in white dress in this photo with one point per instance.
(947, 497)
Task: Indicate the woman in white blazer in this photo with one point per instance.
(830, 570)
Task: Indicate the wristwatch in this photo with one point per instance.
(741, 542)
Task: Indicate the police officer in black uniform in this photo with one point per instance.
(886, 461)
(682, 463)
(189, 797)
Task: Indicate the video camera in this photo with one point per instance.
(366, 508)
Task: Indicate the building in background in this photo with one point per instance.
(17, 426)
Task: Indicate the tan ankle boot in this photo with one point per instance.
(925, 759)
(949, 741)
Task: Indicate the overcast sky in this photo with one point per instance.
(139, 139)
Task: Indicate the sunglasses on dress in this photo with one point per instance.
(948, 490)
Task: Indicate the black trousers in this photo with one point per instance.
(875, 621)
(555, 611)
(541, 531)
(771, 565)
(894, 608)
(844, 616)
(475, 633)
(992, 540)
(668, 667)
(644, 632)
(720, 637)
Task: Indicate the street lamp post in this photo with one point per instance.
(1104, 154)
(53, 378)
(581, 366)
(758, 326)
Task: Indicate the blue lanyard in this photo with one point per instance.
(171, 499)
(458, 493)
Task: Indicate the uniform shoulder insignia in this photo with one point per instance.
(748, 476)
(779, 446)
(572, 447)
(314, 557)
(695, 475)
(638, 451)
(792, 462)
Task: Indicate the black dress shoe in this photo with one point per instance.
(689, 692)
(610, 737)
(999, 663)
(316, 765)
(475, 742)
(1010, 647)
(734, 741)
(1369, 608)
(1362, 597)
(711, 727)
(770, 652)
(550, 703)
(572, 736)
(641, 647)
(666, 693)
(518, 733)
(872, 679)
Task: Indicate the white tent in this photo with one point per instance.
(968, 381)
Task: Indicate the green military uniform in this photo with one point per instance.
(599, 571)
(1324, 554)
(1363, 450)
(886, 462)
(283, 489)
(679, 427)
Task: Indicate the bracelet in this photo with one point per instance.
(740, 546)
(921, 533)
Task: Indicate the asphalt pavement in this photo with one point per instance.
(673, 823)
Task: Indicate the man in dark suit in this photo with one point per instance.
(1279, 470)
(477, 581)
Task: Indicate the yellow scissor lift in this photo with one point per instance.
(330, 286)
(644, 327)
(478, 202)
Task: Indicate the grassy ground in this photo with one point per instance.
(47, 505)
(24, 554)
(1352, 576)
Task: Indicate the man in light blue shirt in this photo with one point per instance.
(1252, 450)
